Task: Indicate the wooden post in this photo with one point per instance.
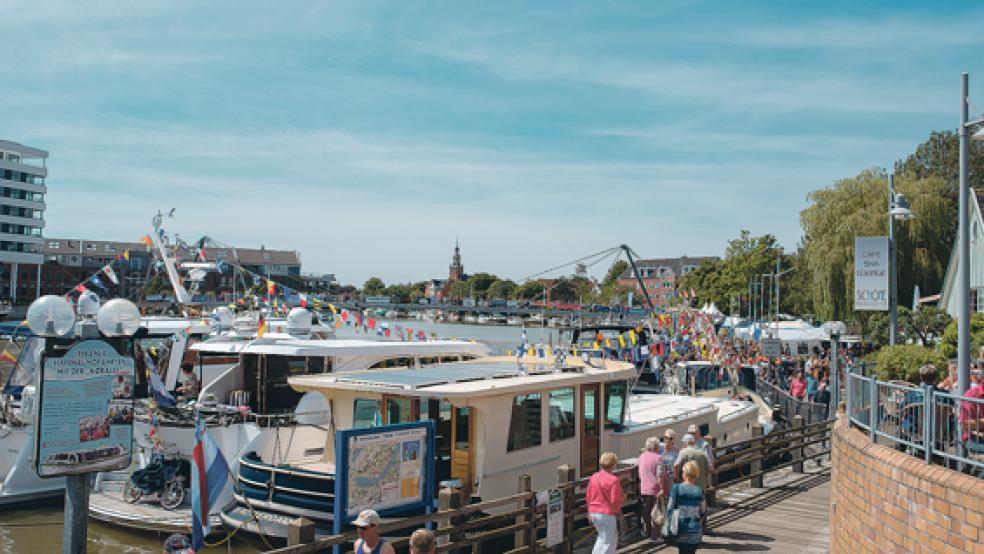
(798, 440)
(300, 531)
(566, 475)
(711, 492)
(756, 480)
(527, 536)
(445, 500)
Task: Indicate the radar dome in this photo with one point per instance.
(88, 304)
(299, 321)
(224, 317)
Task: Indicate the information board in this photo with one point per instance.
(389, 469)
(771, 348)
(85, 412)
(871, 273)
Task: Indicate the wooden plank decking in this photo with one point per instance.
(790, 514)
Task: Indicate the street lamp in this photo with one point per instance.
(963, 240)
(835, 329)
(898, 209)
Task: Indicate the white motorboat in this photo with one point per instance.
(496, 419)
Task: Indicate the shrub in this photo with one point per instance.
(902, 362)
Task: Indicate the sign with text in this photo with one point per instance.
(85, 416)
(871, 273)
(389, 468)
(771, 348)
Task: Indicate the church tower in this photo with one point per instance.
(456, 272)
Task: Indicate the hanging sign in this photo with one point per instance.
(871, 273)
(555, 518)
(85, 417)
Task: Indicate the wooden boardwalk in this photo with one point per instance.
(790, 514)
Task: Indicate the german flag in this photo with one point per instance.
(261, 328)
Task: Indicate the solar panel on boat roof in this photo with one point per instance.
(438, 375)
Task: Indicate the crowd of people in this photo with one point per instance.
(673, 481)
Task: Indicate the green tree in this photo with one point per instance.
(858, 206)
(563, 291)
(948, 344)
(529, 290)
(721, 280)
(373, 286)
(501, 289)
(616, 271)
(459, 290)
(398, 292)
(903, 361)
(480, 283)
(926, 325)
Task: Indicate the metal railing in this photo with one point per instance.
(940, 427)
(811, 412)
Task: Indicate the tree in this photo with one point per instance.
(458, 290)
(948, 344)
(858, 206)
(501, 289)
(926, 325)
(373, 286)
(721, 280)
(563, 291)
(903, 361)
(399, 292)
(616, 271)
(529, 290)
(480, 283)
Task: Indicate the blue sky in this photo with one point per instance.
(368, 135)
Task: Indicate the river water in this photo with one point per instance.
(39, 528)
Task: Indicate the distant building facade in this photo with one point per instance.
(437, 289)
(68, 262)
(23, 173)
(660, 276)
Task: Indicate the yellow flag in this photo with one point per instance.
(331, 307)
(632, 336)
(597, 346)
(126, 255)
(621, 341)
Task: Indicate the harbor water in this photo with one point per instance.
(38, 528)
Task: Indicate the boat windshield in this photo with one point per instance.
(26, 366)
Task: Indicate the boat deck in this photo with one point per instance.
(107, 505)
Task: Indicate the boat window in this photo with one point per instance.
(614, 404)
(398, 410)
(590, 415)
(315, 365)
(462, 428)
(561, 414)
(428, 361)
(524, 425)
(392, 362)
(446, 359)
(366, 413)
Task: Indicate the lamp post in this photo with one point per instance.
(898, 209)
(835, 329)
(963, 240)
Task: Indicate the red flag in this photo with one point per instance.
(386, 332)
(80, 288)
(409, 333)
(372, 323)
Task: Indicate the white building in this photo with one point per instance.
(948, 296)
(22, 188)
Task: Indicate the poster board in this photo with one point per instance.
(871, 260)
(771, 348)
(389, 468)
(85, 411)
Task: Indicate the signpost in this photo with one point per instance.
(85, 418)
(771, 348)
(871, 273)
(389, 469)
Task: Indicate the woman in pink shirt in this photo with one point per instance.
(654, 484)
(604, 496)
(798, 387)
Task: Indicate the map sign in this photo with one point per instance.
(85, 417)
(387, 468)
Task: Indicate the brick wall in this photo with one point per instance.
(883, 500)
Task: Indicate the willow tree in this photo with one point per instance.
(858, 206)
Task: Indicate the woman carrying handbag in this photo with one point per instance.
(683, 513)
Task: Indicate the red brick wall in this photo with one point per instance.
(883, 500)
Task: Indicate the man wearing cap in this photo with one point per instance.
(691, 453)
(703, 445)
(369, 541)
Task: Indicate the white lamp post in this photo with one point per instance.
(898, 209)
